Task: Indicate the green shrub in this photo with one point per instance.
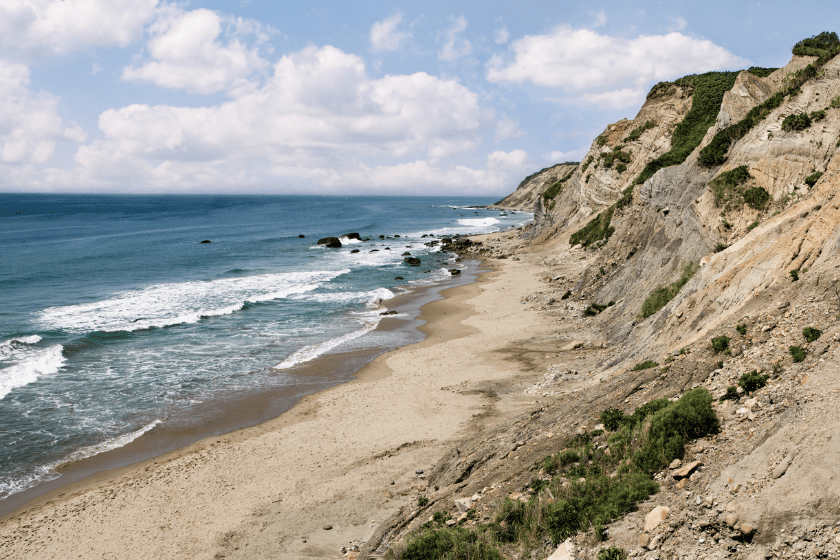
(585, 165)
(794, 275)
(612, 553)
(720, 343)
(663, 294)
(742, 329)
(597, 229)
(835, 103)
(797, 353)
(594, 309)
(440, 517)
(752, 381)
(811, 334)
(812, 179)
(720, 247)
(616, 155)
(612, 419)
(647, 364)
(422, 501)
(543, 170)
(568, 457)
(626, 198)
(760, 72)
(709, 89)
(730, 395)
(727, 186)
(601, 140)
(621, 167)
(818, 45)
(555, 188)
(756, 197)
(752, 226)
(449, 543)
(817, 116)
(639, 130)
(796, 122)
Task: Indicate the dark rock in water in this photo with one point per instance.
(381, 237)
(406, 254)
(388, 313)
(398, 278)
(412, 261)
(354, 251)
(446, 240)
(424, 235)
(396, 236)
(352, 236)
(302, 236)
(374, 250)
(454, 271)
(387, 249)
(331, 242)
(205, 241)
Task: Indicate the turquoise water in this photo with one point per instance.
(115, 319)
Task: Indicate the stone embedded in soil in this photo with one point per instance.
(655, 517)
(686, 469)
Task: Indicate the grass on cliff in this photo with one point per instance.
(659, 297)
(556, 188)
(597, 229)
(598, 478)
(825, 46)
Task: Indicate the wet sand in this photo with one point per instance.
(342, 458)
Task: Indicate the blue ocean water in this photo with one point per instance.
(114, 318)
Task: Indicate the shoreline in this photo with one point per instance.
(343, 457)
(261, 404)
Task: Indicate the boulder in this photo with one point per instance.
(454, 271)
(354, 251)
(655, 517)
(566, 551)
(302, 236)
(205, 241)
(352, 236)
(686, 470)
(331, 242)
(463, 504)
(412, 261)
(573, 345)
(398, 278)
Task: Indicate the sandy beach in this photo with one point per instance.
(320, 476)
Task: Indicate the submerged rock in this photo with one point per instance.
(412, 261)
(331, 242)
(205, 241)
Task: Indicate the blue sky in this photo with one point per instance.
(435, 97)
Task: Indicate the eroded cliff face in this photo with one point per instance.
(529, 192)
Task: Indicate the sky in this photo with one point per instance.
(319, 97)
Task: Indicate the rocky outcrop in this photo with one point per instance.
(330, 242)
(529, 191)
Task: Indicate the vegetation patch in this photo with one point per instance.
(835, 103)
(727, 187)
(597, 229)
(616, 155)
(663, 294)
(812, 179)
(811, 334)
(637, 132)
(797, 353)
(532, 175)
(556, 187)
(742, 329)
(796, 122)
(720, 343)
(647, 364)
(715, 153)
(752, 381)
(794, 275)
(757, 197)
(705, 105)
(760, 72)
(588, 161)
(752, 226)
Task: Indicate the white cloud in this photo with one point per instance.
(29, 122)
(186, 52)
(454, 46)
(501, 36)
(62, 26)
(318, 123)
(385, 36)
(507, 128)
(617, 99)
(677, 24)
(571, 155)
(514, 160)
(584, 61)
(600, 19)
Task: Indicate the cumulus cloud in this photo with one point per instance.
(29, 122)
(676, 24)
(501, 36)
(187, 53)
(62, 26)
(507, 128)
(385, 35)
(581, 60)
(454, 45)
(318, 122)
(600, 19)
(571, 155)
(617, 99)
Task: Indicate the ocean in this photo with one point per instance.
(117, 321)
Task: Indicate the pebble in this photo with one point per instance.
(327, 527)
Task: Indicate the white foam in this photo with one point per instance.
(349, 241)
(15, 345)
(49, 472)
(478, 222)
(29, 366)
(164, 305)
(308, 353)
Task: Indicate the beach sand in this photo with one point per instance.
(344, 458)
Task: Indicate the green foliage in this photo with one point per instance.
(797, 353)
(720, 247)
(757, 197)
(626, 198)
(715, 152)
(742, 329)
(818, 45)
(588, 161)
(752, 226)
(612, 419)
(601, 140)
(730, 395)
(449, 543)
(727, 186)
(637, 132)
(568, 457)
(812, 179)
(720, 343)
(621, 167)
(647, 364)
(796, 122)
(612, 553)
(817, 116)
(794, 275)
(659, 90)
(705, 105)
(422, 501)
(835, 103)
(597, 229)
(663, 294)
(760, 72)
(440, 517)
(555, 188)
(811, 334)
(594, 309)
(752, 381)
